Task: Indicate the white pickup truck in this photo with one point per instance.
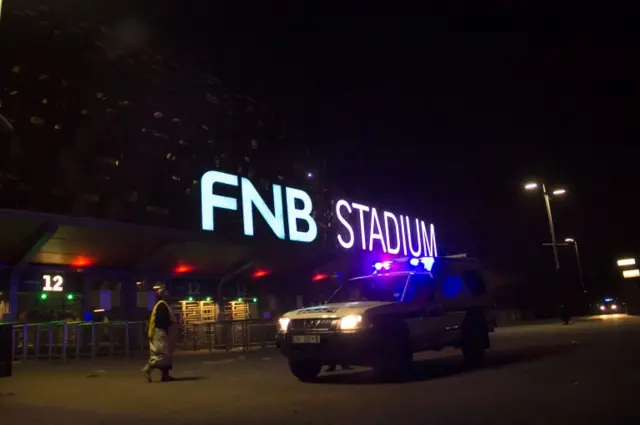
(408, 305)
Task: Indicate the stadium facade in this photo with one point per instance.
(103, 145)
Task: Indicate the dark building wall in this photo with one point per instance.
(106, 126)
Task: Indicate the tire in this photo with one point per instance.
(394, 361)
(305, 370)
(475, 339)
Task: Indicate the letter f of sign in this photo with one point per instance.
(210, 201)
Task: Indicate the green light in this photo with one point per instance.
(255, 300)
(208, 298)
(70, 297)
(239, 300)
(44, 296)
(190, 298)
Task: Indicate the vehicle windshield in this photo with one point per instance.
(372, 288)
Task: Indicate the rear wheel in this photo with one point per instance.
(305, 370)
(475, 338)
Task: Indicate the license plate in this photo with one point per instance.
(306, 339)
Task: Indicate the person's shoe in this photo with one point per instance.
(331, 369)
(147, 371)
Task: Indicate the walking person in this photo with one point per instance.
(565, 314)
(162, 327)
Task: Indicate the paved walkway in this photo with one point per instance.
(549, 374)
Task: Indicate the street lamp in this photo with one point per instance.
(545, 194)
(626, 262)
(571, 241)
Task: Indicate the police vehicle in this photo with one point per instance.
(406, 306)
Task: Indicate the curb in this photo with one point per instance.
(541, 322)
(206, 359)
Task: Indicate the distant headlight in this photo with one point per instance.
(603, 308)
(614, 307)
(350, 322)
(284, 323)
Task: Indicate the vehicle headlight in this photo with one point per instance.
(602, 307)
(614, 307)
(284, 323)
(350, 322)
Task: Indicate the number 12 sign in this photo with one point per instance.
(53, 283)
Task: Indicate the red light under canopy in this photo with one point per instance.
(81, 261)
(319, 276)
(183, 268)
(259, 273)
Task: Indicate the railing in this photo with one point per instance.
(90, 340)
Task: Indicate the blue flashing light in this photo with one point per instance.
(427, 262)
(608, 300)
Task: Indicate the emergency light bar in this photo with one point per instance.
(425, 262)
(384, 265)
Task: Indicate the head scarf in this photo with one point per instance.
(161, 294)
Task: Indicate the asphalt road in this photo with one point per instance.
(585, 373)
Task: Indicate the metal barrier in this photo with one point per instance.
(76, 340)
(508, 317)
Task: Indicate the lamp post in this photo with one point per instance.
(547, 203)
(571, 241)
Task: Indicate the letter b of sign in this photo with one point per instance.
(294, 214)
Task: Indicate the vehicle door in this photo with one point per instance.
(419, 295)
(478, 293)
(448, 309)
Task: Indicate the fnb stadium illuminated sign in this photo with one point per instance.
(251, 200)
(370, 230)
(362, 227)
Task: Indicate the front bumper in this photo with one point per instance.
(334, 347)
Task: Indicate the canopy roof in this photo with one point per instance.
(77, 242)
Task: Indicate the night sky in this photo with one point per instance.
(444, 114)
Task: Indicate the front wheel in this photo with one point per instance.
(393, 362)
(305, 370)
